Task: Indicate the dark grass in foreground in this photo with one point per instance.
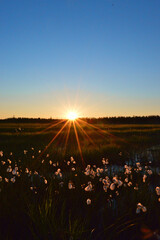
(51, 196)
(52, 200)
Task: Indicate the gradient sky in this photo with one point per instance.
(101, 57)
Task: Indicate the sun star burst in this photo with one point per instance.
(72, 116)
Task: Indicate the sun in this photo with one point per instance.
(72, 116)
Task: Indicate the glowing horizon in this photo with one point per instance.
(100, 57)
(72, 115)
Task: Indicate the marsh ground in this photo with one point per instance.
(104, 141)
(54, 196)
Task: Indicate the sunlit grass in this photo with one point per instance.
(47, 194)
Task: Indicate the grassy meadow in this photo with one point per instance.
(107, 142)
(52, 193)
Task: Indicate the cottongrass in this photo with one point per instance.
(54, 194)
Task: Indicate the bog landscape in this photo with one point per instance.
(80, 120)
(79, 179)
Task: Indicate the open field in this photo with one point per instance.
(113, 194)
(107, 142)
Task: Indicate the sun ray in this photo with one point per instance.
(93, 127)
(53, 139)
(102, 132)
(68, 132)
(97, 128)
(51, 126)
(84, 132)
(61, 139)
(79, 146)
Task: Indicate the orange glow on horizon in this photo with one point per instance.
(72, 116)
(79, 126)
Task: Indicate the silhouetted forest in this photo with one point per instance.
(105, 120)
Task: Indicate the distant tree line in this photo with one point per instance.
(126, 120)
(106, 120)
(28, 120)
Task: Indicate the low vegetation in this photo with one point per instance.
(48, 194)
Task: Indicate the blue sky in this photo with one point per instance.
(101, 57)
